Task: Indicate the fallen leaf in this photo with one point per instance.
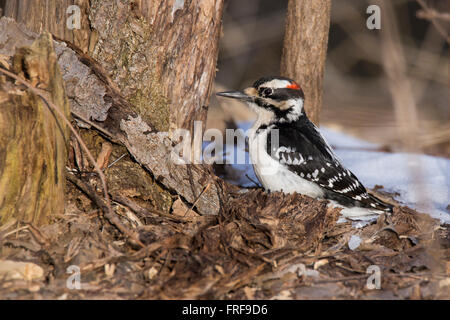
(250, 293)
(109, 269)
(320, 263)
(105, 153)
(17, 270)
(180, 209)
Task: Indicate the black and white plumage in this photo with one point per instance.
(288, 152)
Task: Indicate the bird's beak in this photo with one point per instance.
(235, 95)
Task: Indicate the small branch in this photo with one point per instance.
(112, 218)
(117, 160)
(432, 15)
(144, 212)
(196, 200)
(393, 275)
(96, 126)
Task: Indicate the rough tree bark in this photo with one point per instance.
(32, 142)
(305, 48)
(97, 97)
(161, 53)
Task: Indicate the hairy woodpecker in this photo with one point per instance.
(300, 160)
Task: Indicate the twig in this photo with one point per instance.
(358, 277)
(198, 198)
(87, 189)
(96, 126)
(431, 15)
(77, 154)
(2, 236)
(399, 275)
(142, 211)
(117, 160)
(43, 95)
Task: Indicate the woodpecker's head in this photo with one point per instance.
(272, 98)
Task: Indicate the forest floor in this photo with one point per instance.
(252, 250)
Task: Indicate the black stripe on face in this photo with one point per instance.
(277, 111)
(283, 94)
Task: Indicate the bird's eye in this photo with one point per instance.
(265, 92)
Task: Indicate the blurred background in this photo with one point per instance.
(357, 99)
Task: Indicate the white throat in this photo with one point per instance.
(264, 116)
(267, 116)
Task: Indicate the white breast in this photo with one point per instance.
(273, 175)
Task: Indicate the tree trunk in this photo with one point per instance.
(32, 142)
(161, 53)
(93, 95)
(305, 48)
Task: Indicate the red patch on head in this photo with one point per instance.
(294, 86)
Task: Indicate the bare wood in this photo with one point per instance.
(50, 15)
(33, 143)
(305, 48)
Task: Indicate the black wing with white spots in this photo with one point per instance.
(303, 150)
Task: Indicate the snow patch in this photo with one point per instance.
(354, 242)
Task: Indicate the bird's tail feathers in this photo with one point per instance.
(379, 204)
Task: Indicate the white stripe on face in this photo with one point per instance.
(276, 84)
